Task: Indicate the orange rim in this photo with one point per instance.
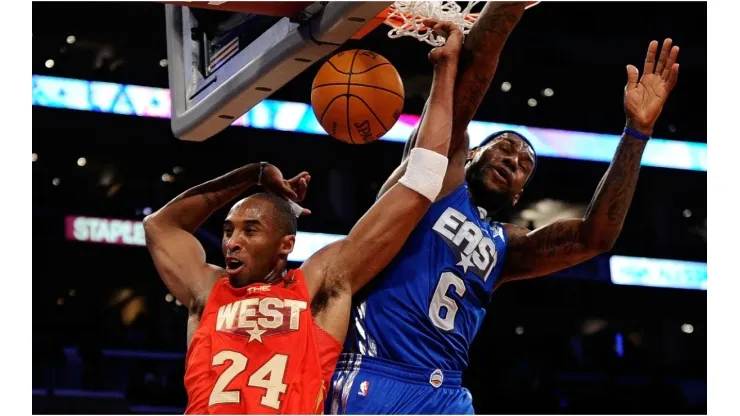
(398, 22)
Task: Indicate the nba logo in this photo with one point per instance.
(364, 387)
(436, 378)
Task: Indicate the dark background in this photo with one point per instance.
(106, 340)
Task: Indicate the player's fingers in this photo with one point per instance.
(296, 180)
(447, 27)
(298, 177)
(672, 77)
(663, 58)
(439, 29)
(650, 58)
(301, 191)
(456, 35)
(288, 192)
(672, 58)
(433, 55)
(305, 212)
(632, 77)
(430, 23)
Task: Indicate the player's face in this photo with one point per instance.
(496, 173)
(252, 244)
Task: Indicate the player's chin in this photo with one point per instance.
(495, 186)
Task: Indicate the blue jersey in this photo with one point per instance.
(427, 306)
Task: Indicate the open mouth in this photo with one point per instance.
(502, 173)
(233, 265)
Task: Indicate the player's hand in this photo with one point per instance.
(299, 185)
(450, 52)
(645, 96)
(293, 189)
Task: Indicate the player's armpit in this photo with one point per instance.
(548, 249)
(181, 261)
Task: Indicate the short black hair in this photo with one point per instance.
(497, 134)
(286, 218)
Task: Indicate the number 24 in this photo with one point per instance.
(274, 385)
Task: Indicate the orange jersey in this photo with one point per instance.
(258, 350)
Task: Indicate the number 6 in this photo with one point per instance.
(441, 300)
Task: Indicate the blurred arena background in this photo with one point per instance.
(623, 333)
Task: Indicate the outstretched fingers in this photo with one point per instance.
(672, 77)
(650, 58)
(666, 73)
(663, 58)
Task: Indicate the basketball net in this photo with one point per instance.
(406, 18)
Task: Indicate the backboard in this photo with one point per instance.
(225, 60)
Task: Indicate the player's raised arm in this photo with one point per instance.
(177, 254)
(345, 266)
(568, 242)
(478, 62)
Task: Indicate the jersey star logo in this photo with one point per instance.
(465, 262)
(255, 334)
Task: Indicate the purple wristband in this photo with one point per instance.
(636, 134)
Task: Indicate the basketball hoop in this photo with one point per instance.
(406, 18)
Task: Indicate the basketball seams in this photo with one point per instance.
(349, 84)
(368, 107)
(368, 86)
(371, 68)
(336, 69)
(353, 63)
(362, 85)
(328, 106)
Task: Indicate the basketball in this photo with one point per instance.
(357, 96)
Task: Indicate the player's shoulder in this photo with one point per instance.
(214, 279)
(514, 231)
(295, 280)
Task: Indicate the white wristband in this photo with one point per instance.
(425, 172)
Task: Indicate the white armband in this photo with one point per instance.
(425, 172)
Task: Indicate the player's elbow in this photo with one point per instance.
(603, 243)
(150, 223)
(600, 240)
(152, 227)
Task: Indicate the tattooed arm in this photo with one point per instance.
(476, 68)
(567, 242)
(178, 256)
(479, 60)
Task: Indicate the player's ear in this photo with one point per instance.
(471, 153)
(286, 245)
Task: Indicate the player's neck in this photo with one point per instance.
(275, 276)
(490, 205)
